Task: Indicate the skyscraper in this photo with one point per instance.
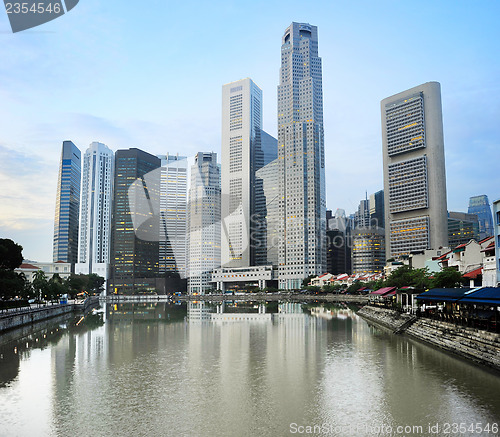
(95, 212)
(368, 250)
(135, 226)
(245, 149)
(480, 205)
(266, 215)
(414, 171)
(301, 157)
(462, 228)
(204, 208)
(173, 216)
(65, 247)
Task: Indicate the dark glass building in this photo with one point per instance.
(65, 247)
(462, 228)
(480, 206)
(135, 222)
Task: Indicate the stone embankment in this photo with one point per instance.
(28, 316)
(473, 344)
(390, 319)
(476, 345)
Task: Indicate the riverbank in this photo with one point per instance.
(472, 344)
(29, 316)
(270, 297)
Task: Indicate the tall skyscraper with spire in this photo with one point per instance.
(65, 246)
(95, 213)
(301, 157)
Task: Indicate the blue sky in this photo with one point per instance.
(149, 75)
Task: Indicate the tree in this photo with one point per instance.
(95, 283)
(11, 254)
(76, 284)
(11, 284)
(447, 278)
(405, 276)
(40, 284)
(306, 281)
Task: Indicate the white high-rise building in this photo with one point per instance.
(245, 149)
(173, 216)
(416, 216)
(301, 157)
(95, 211)
(203, 238)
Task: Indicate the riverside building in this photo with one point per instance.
(414, 171)
(95, 211)
(246, 149)
(301, 158)
(203, 238)
(65, 245)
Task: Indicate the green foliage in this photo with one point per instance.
(354, 287)
(405, 276)
(306, 281)
(313, 288)
(447, 278)
(11, 284)
(11, 254)
(95, 283)
(328, 288)
(75, 284)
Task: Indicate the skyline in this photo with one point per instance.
(136, 99)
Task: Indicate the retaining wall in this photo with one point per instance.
(33, 315)
(473, 344)
(393, 320)
(480, 346)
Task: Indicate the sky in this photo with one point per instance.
(149, 75)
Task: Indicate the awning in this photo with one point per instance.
(443, 294)
(383, 291)
(473, 274)
(483, 296)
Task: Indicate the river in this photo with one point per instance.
(236, 369)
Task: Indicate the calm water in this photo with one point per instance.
(234, 370)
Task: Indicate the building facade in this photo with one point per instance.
(496, 233)
(245, 150)
(173, 214)
(301, 158)
(414, 171)
(135, 224)
(65, 245)
(480, 205)
(368, 250)
(267, 210)
(204, 216)
(95, 211)
(462, 227)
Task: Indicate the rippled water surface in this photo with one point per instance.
(234, 370)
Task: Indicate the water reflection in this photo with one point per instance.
(232, 368)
